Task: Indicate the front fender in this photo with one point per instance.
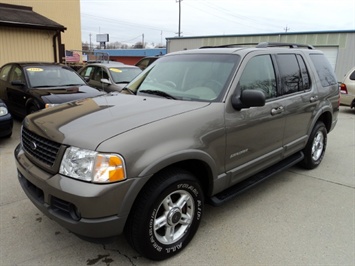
(177, 157)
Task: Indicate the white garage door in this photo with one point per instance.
(331, 53)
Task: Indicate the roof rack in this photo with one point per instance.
(280, 44)
(232, 45)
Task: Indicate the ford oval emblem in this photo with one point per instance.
(33, 145)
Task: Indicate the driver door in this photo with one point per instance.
(17, 93)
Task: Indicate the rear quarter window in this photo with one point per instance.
(5, 72)
(352, 76)
(324, 70)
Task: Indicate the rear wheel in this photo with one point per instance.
(315, 148)
(166, 215)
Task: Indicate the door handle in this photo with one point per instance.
(277, 110)
(313, 98)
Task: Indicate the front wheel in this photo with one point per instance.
(315, 148)
(166, 215)
(32, 109)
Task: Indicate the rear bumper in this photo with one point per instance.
(347, 99)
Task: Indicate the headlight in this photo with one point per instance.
(3, 111)
(92, 166)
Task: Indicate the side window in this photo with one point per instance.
(97, 74)
(5, 72)
(352, 76)
(259, 74)
(87, 73)
(304, 74)
(100, 74)
(290, 73)
(143, 64)
(104, 74)
(324, 70)
(17, 74)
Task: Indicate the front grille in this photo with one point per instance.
(40, 148)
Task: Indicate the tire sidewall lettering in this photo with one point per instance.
(198, 214)
(151, 233)
(194, 191)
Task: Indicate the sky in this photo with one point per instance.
(151, 21)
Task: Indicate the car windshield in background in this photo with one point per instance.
(124, 75)
(52, 76)
(187, 77)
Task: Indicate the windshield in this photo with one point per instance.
(201, 77)
(52, 76)
(124, 75)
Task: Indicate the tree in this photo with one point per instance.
(138, 45)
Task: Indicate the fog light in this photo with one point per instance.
(74, 212)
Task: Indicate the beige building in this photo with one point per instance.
(39, 30)
(338, 46)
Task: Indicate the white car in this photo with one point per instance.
(347, 89)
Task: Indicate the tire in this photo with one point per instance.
(315, 148)
(32, 109)
(166, 215)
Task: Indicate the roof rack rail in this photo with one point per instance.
(280, 44)
(232, 45)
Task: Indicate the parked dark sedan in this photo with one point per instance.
(109, 77)
(28, 87)
(6, 122)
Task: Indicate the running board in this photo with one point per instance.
(232, 192)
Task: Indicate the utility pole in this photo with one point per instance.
(286, 29)
(179, 32)
(143, 40)
(90, 42)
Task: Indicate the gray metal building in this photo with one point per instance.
(338, 46)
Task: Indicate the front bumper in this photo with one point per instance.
(86, 209)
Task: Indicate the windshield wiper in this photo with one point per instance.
(159, 93)
(73, 84)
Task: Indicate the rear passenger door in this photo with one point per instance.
(299, 100)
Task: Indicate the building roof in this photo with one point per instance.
(261, 34)
(24, 17)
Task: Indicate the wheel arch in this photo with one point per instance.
(326, 118)
(198, 163)
(32, 102)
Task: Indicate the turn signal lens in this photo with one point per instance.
(108, 168)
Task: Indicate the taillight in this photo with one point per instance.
(343, 88)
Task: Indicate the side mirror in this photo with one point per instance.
(17, 83)
(106, 81)
(248, 98)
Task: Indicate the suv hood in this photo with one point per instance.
(86, 123)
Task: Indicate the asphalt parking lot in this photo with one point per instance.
(297, 217)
